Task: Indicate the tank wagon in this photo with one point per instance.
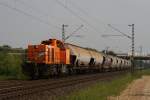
(53, 57)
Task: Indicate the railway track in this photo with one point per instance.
(12, 90)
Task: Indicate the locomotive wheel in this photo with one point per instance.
(35, 73)
(43, 71)
(53, 70)
(30, 70)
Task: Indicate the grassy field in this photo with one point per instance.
(102, 90)
(10, 66)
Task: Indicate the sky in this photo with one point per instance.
(24, 22)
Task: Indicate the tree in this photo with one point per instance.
(6, 47)
(109, 52)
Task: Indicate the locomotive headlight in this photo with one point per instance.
(41, 54)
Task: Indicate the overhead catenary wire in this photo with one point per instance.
(29, 6)
(86, 13)
(40, 11)
(77, 16)
(119, 31)
(97, 20)
(35, 9)
(110, 35)
(45, 14)
(29, 15)
(74, 32)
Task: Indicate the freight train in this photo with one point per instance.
(53, 57)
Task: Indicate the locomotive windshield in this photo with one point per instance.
(47, 42)
(60, 45)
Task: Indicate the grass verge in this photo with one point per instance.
(102, 90)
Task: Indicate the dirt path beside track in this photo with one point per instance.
(137, 90)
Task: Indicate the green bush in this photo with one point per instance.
(10, 65)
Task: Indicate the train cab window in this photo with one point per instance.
(47, 42)
(121, 61)
(117, 60)
(111, 60)
(104, 60)
(73, 59)
(60, 45)
(91, 61)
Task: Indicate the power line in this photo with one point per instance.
(110, 35)
(119, 31)
(76, 15)
(74, 32)
(34, 8)
(27, 14)
(29, 6)
(86, 13)
(77, 29)
(45, 14)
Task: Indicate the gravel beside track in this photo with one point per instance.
(20, 89)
